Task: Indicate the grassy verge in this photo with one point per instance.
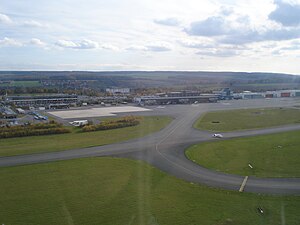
(244, 119)
(120, 191)
(275, 155)
(35, 144)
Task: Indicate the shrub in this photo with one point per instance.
(127, 121)
(88, 128)
(31, 130)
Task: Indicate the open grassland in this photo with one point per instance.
(244, 119)
(275, 155)
(114, 191)
(35, 144)
(22, 84)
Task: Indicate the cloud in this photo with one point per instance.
(250, 36)
(226, 11)
(37, 42)
(282, 34)
(277, 52)
(110, 47)
(240, 38)
(84, 44)
(231, 28)
(88, 44)
(212, 26)
(66, 44)
(83, 66)
(158, 47)
(15, 43)
(290, 48)
(5, 19)
(219, 53)
(293, 46)
(195, 44)
(167, 22)
(136, 48)
(155, 47)
(10, 42)
(286, 14)
(32, 23)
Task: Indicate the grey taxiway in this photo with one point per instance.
(166, 149)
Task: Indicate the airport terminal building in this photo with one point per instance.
(182, 97)
(268, 94)
(47, 101)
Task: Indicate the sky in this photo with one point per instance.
(114, 35)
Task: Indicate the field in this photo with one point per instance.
(22, 84)
(114, 191)
(275, 155)
(245, 119)
(35, 144)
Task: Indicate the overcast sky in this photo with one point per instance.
(214, 35)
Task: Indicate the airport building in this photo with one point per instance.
(182, 97)
(47, 101)
(282, 94)
(251, 95)
(118, 90)
(224, 94)
(268, 94)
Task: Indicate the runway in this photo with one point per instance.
(165, 149)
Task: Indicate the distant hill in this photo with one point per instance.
(170, 79)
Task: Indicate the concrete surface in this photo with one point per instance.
(96, 112)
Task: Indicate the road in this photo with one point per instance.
(165, 149)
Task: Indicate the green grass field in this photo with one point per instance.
(59, 142)
(114, 191)
(244, 119)
(274, 155)
(22, 84)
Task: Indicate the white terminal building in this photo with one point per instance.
(47, 101)
(282, 94)
(268, 94)
(118, 90)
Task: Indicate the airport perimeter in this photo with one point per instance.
(166, 148)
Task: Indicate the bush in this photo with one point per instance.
(31, 130)
(88, 128)
(127, 121)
